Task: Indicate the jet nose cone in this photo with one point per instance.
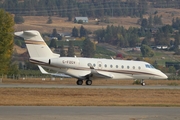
(161, 75)
(164, 76)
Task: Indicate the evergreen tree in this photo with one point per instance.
(150, 21)
(64, 8)
(177, 43)
(54, 33)
(18, 19)
(145, 41)
(144, 23)
(70, 49)
(42, 7)
(88, 48)
(83, 32)
(74, 32)
(6, 40)
(70, 17)
(172, 70)
(157, 20)
(62, 51)
(53, 44)
(49, 20)
(10, 4)
(30, 6)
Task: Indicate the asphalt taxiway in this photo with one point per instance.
(88, 113)
(2, 85)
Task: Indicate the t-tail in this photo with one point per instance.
(37, 48)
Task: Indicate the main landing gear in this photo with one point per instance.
(88, 82)
(143, 83)
(80, 82)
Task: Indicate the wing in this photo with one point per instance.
(99, 74)
(54, 74)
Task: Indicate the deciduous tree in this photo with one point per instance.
(146, 51)
(6, 40)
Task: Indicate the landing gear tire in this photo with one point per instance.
(79, 82)
(88, 82)
(143, 83)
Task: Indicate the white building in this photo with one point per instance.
(84, 19)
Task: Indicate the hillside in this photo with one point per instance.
(63, 25)
(19, 50)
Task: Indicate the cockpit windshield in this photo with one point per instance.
(149, 66)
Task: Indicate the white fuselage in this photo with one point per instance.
(114, 69)
(86, 68)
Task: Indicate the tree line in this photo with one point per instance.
(162, 35)
(65, 8)
(165, 3)
(90, 8)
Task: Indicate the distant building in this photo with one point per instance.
(65, 34)
(84, 19)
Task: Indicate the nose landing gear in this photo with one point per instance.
(143, 83)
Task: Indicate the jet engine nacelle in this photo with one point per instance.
(64, 62)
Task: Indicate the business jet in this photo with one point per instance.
(85, 69)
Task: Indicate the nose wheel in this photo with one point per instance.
(143, 83)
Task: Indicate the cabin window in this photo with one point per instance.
(152, 66)
(147, 66)
(89, 64)
(99, 65)
(105, 65)
(139, 67)
(94, 65)
(127, 67)
(122, 66)
(111, 66)
(116, 66)
(133, 67)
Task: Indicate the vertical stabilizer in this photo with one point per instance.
(35, 44)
